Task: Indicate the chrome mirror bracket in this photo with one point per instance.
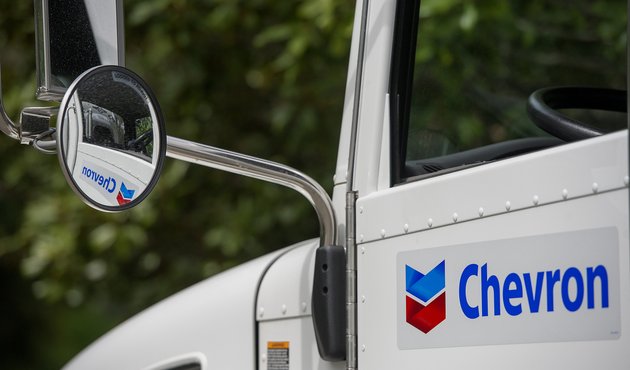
(35, 121)
(34, 124)
(6, 125)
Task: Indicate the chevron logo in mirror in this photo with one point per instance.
(125, 195)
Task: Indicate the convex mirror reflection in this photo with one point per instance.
(110, 138)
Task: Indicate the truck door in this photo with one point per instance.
(482, 240)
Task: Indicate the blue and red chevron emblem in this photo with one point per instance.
(425, 306)
(124, 195)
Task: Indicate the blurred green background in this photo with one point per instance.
(258, 77)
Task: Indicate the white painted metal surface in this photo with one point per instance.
(285, 290)
(299, 334)
(341, 170)
(284, 311)
(377, 314)
(530, 180)
(580, 186)
(374, 91)
(214, 320)
(373, 95)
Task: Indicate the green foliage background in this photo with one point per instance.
(258, 77)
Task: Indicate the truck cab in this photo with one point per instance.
(490, 233)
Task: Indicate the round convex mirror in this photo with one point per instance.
(110, 138)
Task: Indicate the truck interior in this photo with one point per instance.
(512, 105)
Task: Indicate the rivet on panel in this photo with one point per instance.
(565, 194)
(430, 222)
(303, 306)
(263, 357)
(481, 211)
(361, 210)
(362, 299)
(261, 311)
(382, 233)
(455, 217)
(406, 228)
(535, 200)
(363, 348)
(361, 238)
(626, 180)
(362, 250)
(508, 206)
(284, 309)
(595, 188)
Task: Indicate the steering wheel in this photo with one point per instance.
(543, 105)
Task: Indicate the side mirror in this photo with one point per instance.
(111, 141)
(73, 36)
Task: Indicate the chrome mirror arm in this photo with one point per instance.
(35, 124)
(6, 125)
(33, 127)
(261, 169)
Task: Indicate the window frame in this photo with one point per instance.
(401, 83)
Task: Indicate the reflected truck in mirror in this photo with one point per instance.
(473, 222)
(111, 139)
(102, 127)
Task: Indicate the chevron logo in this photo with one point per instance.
(425, 298)
(124, 195)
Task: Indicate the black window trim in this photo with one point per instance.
(401, 82)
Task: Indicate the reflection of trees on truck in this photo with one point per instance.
(105, 128)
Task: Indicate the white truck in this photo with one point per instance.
(513, 253)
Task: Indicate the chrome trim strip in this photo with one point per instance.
(351, 282)
(351, 199)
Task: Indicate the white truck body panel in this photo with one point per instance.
(378, 317)
(298, 333)
(530, 180)
(373, 113)
(470, 208)
(285, 290)
(284, 311)
(211, 323)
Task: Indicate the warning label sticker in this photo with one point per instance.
(277, 355)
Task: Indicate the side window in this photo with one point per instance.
(462, 74)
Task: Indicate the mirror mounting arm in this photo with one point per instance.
(33, 126)
(261, 169)
(6, 125)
